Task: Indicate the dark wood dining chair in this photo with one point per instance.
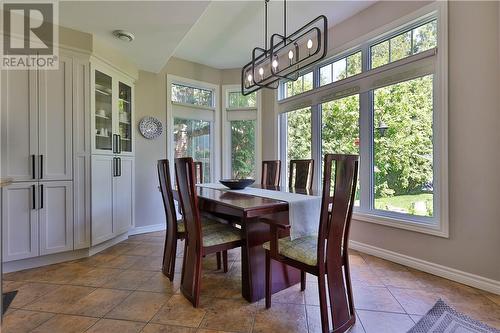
(175, 228)
(301, 174)
(325, 255)
(201, 239)
(271, 173)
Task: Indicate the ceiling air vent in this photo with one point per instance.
(123, 35)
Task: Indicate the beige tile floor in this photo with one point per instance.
(122, 290)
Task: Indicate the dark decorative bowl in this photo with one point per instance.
(237, 184)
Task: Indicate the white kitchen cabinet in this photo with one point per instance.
(20, 221)
(55, 122)
(123, 194)
(37, 123)
(55, 209)
(112, 162)
(103, 169)
(112, 111)
(37, 153)
(112, 196)
(19, 125)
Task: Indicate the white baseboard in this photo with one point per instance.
(104, 245)
(469, 279)
(18, 265)
(147, 228)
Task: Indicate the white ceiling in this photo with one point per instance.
(220, 34)
(158, 26)
(226, 33)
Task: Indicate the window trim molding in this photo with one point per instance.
(215, 140)
(440, 114)
(226, 130)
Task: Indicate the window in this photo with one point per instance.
(419, 39)
(298, 136)
(241, 158)
(340, 69)
(192, 139)
(243, 149)
(394, 117)
(192, 95)
(302, 84)
(193, 123)
(239, 101)
(402, 147)
(340, 128)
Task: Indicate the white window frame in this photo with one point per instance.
(197, 112)
(244, 113)
(428, 60)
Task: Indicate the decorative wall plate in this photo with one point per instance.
(150, 127)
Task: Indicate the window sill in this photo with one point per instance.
(440, 230)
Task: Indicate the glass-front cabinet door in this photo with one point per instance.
(124, 118)
(103, 116)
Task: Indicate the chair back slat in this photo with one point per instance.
(198, 172)
(271, 172)
(339, 188)
(188, 199)
(168, 204)
(301, 174)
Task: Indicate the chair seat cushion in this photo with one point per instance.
(182, 228)
(303, 249)
(216, 234)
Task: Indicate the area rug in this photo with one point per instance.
(442, 318)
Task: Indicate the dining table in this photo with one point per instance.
(248, 212)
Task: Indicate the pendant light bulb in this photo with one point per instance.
(290, 55)
(261, 71)
(275, 63)
(249, 77)
(309, 44)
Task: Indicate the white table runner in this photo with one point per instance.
(303, 210)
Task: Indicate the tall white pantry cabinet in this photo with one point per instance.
(58, 201)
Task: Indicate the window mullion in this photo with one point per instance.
(316, 153)
(365, 150)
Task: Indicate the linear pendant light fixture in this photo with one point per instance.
(287, 55)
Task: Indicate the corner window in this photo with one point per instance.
(193, 123)
(192, 95)
(241, 158)
(192, 138)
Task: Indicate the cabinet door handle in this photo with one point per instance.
(119, 143)
(114, 166)
(119, 166)
(41, 166)
(33, 166)
(33, 196)
(41, 197)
